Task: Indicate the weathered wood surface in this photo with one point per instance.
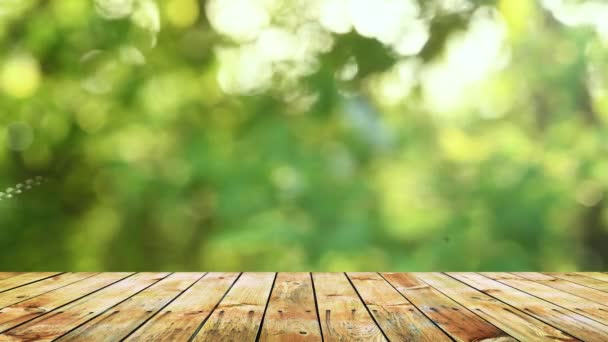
(291, 313)
(239, 315)
(54, 306)
(342, 314)
(582, 291)
(455, 319)
(570, 322)
(23, 279)
(179, 320)
(582, 279)
(397, 317)
(118, 322)
(511, 320)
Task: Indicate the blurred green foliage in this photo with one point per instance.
(303, 135)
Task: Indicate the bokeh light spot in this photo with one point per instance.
(20, 76)
(182, 13)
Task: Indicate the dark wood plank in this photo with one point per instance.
(460, 323)
(594, 295)
(118, 322)
(579, 278)
(59, 322)
(179, 320)
(25, 292)
(399, 319)
(570, 322)
(291, 314)
(27, 310)
(505, 317)
(24, 279)
(240, 313)
(343, 316)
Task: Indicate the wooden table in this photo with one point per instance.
(303, 306)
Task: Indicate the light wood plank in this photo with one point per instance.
(399, 319)
(291, 313)
(568, 301)
(55, 324)
(597, 275)
(34, 289)
(118, 322)
(19, 313)
(179, 320)
(510, 320)
(239, 315)
(570, 322)
(579, 278)
(4, 275)
(350, 307)
(594, 295)
(24, 279)
(460, 323)
(343, 316)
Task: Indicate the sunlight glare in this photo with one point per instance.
(241, 20)
(446, 83)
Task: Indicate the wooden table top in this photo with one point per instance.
(303, 306)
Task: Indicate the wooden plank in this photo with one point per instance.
(342, 314)
(4, 275)
(460, 323)
(570, 322)
(510, 320)
(19, 313)
(566, 300)
(32, 290)
(122, 319)
(397, 317)
(239, 315)
(351, 307)
(597, 296)
(579, 278)
(58, 322)
(23, 279)
(291, 314)
(179, 320)
(597, 275)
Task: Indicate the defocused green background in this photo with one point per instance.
(303, 135)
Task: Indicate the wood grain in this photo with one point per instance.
(460, 323)
(118, 322)
(27, 310)
(59, 322)
(364, 306)
(34, 289)
(592, 294)
(581, 279)
(23, 279)
(179, 320)
(4, 275)
(568, 321)
(512, 321)
(597, 275)
(240, 313)
(399, 319)
(343, 317)
(566, 300)
(291, 313)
